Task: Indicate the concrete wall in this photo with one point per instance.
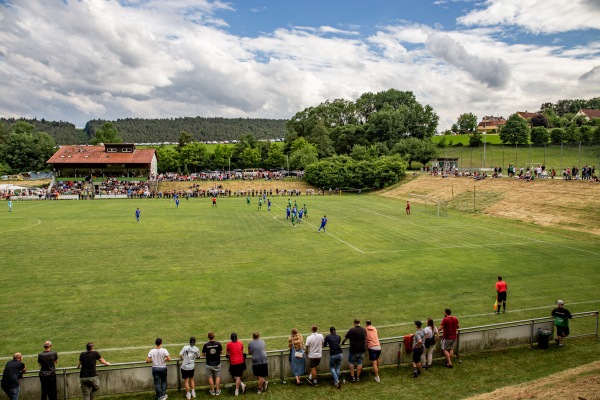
(137, 377)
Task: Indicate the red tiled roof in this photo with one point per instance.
(590, 113)
(526, 115)
(97, 155)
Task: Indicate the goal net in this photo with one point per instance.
(428, 204)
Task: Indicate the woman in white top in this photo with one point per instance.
(431, 336)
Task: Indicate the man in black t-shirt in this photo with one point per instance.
(358, 345)
(88, 376)
(335, 355)
(10, 377)
(212, 351)
(47, 360)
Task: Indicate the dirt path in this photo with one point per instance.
(581, 383)
(573, 205)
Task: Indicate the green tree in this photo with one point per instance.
(467, 123)
(275, 156)
(4, 133)
(476, 139)
(107, 134)
(302, 154)
(184, 139)
(250, 157)
(515, 131)
(21, 127)
(27, 152)
(221, 156)
(557, 135)
(585, 132)
(168, 159)
(194, 155)
(539, 135)
(413, 149)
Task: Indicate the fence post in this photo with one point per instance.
(532, 333)
(65, 385)
(281, 367)
(178, 377)
(597, 325)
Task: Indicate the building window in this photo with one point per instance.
(126, 150)
(111, 150)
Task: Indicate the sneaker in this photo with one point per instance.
(193, 393)
(165, 397)
(358, 379)
(188, 395)
(561, 345)
(419, 371)
(415, 375)
(377, 379)
(338, 385)
(218, 392)
(237, 392)
(258, 391)
(212, 392)
(243, 388)
(352, 379)
(315, 382)
(265, 386)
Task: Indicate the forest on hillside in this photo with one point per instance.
(140, 130)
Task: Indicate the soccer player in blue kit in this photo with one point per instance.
(137, 214)
(323, 223)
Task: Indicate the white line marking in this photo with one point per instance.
(467, 246)
(25, 227)
(149, 346)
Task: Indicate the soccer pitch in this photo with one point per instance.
(79, 271)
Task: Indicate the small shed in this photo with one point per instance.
(445, 163)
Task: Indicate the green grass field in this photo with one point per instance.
(75, 271)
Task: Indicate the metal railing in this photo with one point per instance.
(134, 377)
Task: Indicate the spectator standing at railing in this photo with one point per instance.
(260, 361)
(374, 348)
(358, 345)
(88, 377)
(48, 360)
(561, 320)
(418, 346)
(13, 371)
(188, 355)
(449, 330)
(237, 364)
(314, 350)
(212, 351)
(159, 358)
(333, 341)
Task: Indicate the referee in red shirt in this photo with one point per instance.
(501, 287)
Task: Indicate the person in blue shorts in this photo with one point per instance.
(300, 213)
(268, 204)
(137, 214)
(177, 202)
(323, 223)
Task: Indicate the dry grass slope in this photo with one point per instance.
(573, 205)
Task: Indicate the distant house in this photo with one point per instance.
(490, 124)
(118, 159)
(526, 115)
(588, 113)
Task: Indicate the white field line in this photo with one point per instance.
(467, 246)
(24, 227)
(149, 346)
(336, 238)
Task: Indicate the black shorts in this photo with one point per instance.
(237, 369)
(374, 354)
(314, 362)
(501, 296)
(187, 373)
(562, 331)
(261, 370)
(417, 353)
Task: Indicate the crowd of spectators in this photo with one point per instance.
(587, 173)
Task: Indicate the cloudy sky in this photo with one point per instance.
(76, 60)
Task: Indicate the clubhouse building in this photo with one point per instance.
(111, 159)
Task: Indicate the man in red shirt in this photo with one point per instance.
(501, 287)
(449, 329)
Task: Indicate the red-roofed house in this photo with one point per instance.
(490, 124)
(108, 159)
(588, 113)
(526, 115)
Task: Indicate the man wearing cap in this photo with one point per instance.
(47, 360)
(561, 320)
(188, 355)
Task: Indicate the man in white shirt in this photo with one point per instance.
(159, 358)
(314, 348)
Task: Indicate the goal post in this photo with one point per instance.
(429, 204)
